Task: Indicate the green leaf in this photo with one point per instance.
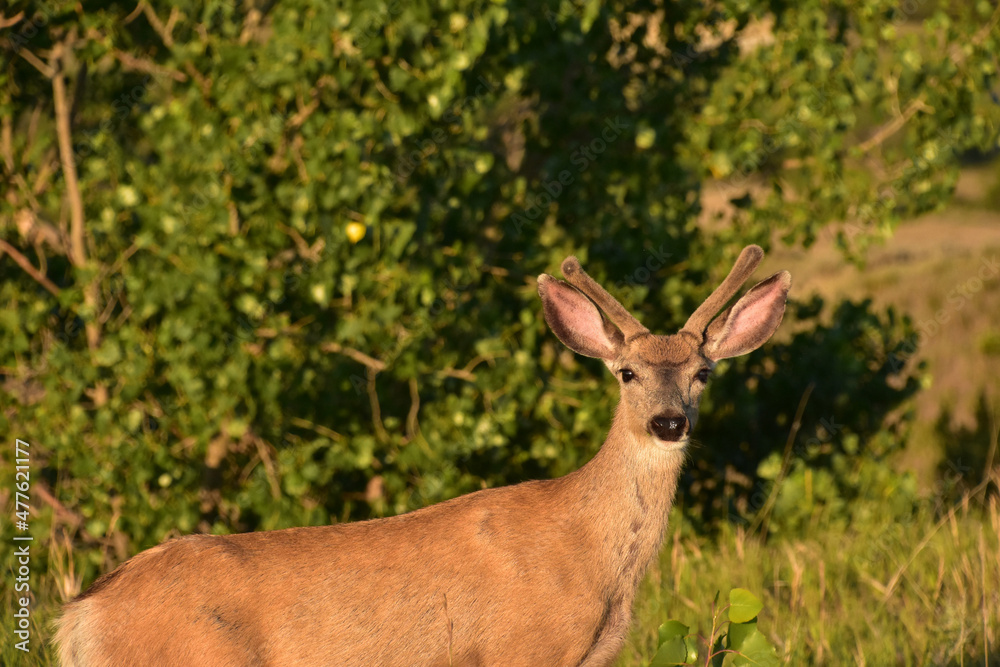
(743, 605)
(738, 633)
(673, 629)
(108, 354)
(754, 648)
(673, 652)
(692, 649)
(673, 645)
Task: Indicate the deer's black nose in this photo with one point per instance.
(669, 428)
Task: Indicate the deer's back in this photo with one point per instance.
(451, 579)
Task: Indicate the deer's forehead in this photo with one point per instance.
(673, 350)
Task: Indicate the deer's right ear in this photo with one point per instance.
(576, 320)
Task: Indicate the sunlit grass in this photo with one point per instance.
(923, 592)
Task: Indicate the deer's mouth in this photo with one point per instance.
(670, 446)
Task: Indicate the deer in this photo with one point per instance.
(544, 572)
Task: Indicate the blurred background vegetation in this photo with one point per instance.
(267, 264)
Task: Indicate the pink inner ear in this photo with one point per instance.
(752, 320)
(580, 315)
(749, 321)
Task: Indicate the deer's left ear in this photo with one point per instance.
(750, 321)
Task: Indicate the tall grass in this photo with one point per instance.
(922, 592)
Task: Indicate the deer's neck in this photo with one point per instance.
(627, 490)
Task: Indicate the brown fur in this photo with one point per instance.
(541, 573)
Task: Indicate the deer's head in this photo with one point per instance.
(662, 377)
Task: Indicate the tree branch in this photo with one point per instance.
(894, 125)
(380, 432)
(157, 24)
(357, 355)
(7, 143)
(37, 63)
(958, 56)
(23, 262)
(77, 250)
(6, 22)
(130, 62)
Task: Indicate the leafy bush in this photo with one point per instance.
(273, 264)
(815, 414)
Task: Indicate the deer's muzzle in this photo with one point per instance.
(669, 427)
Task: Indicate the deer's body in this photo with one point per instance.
(541, 573)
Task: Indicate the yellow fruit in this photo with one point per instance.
(355, 231)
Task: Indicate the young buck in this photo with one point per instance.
(541, 573)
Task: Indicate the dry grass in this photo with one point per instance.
(922, 592)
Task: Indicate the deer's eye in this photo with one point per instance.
(627, 375)
(702, 375)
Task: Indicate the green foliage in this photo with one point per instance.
(882, 590)
(197, 334)
(732, 643)
(828, 392)
(676, 645)
(970, 454)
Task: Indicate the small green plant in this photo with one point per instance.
(733, 642)
(989, 342)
